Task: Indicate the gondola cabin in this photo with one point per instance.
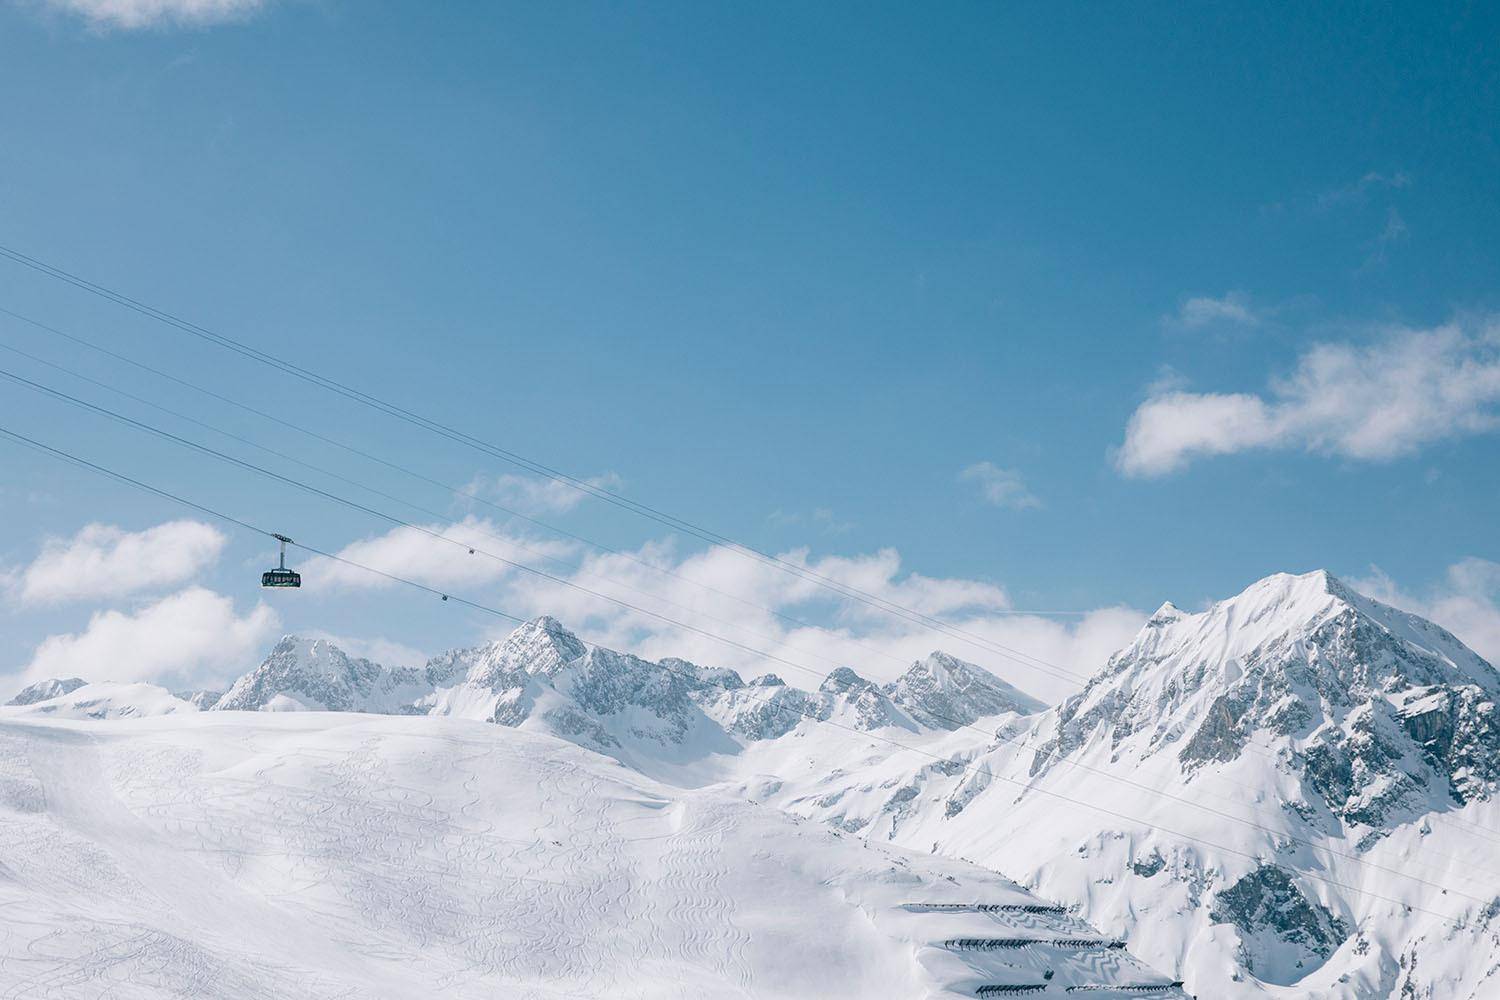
(281, 576)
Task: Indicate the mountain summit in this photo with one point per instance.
(1377, 709)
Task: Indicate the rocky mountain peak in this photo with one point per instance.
(1376, 709)
(304, 673)
(1165, 615)
(845, 681)
(53, 687)
(945, 692)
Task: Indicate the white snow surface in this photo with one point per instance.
(322, 855)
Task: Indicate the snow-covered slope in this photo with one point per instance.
(1289, 794)
(237, 855)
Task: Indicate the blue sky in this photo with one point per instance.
(1090, 308)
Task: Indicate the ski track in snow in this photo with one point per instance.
(343, 857)
(703, 919)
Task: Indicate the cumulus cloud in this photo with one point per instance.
(1000, 487)
(135, 14)
(190, 637)
(537, 495)
(416, 555)
(1466, 602)
(1204, 310)
(686, 604)
(776, 616)
(1368, 402)
(102, 561)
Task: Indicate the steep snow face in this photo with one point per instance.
(104, 700)
(315, 675)
(46, 690)
(240, 855)
(944, 692)
(1287, 791)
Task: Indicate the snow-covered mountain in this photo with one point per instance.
(46, 690)
(543, 677)
(65, 699)
(1291, 793)
(945, 692)
(315, 675)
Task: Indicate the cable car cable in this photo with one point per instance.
(353, 504)
(444, 519)
(433, 426)
(1026, 658)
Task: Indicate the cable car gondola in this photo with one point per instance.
(281, 576)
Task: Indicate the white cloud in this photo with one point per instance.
(722, 592)
(857, 634)
(1203, 310)
(102, 561)
(135, 14)
(416, 555)
(190, 637)
(1000, 487)
(1466, 603)
(537, 495)
(1373, 402)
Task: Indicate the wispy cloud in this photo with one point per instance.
(102, 562)
(190, 637)
(1361, 189)
(130, 15)
(1370, 402)
(1231, 308)
(1000, 487)
(538, 495)
(1394, 232)
(823, 519)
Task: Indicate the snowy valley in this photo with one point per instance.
(1287, 794)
